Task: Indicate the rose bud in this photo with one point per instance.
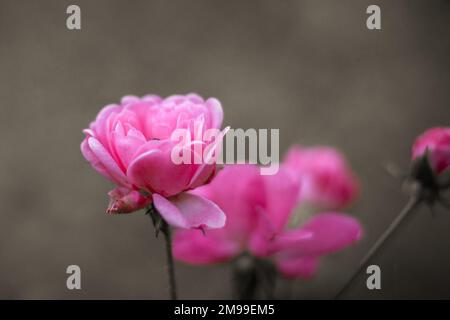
(435, 144)
(123, 200)
(327, 182)
(430, 163)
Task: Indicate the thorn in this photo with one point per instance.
(158, 226)
(156, 220)
(150, 211)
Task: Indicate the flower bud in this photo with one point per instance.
(124, 200)
(435, 145)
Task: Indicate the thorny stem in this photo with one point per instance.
(412, 203)
(165, 228)
(162, 226)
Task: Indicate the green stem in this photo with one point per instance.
(161, 226)
(412, 203)
(165, 229)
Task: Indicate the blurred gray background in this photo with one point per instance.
(309, 68)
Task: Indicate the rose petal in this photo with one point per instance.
(205, 171)
(189, 211)
(109, 164)
(127, 144)
(93, 160)
(192, 246)
(153, 169)
(322, 234)
(304, 267)
(101, 125)
(327, 180)
(281, 197)
(263, 234)
(216, 111)
(243, 185)
(280, 192)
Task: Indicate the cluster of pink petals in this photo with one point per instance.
(326, 180)
(124, 200)
(436, 143)
(258, 210)
(130, 144)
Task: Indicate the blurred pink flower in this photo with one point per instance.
(258, 209)
(130, 144)
(437, 142)
(326, 180)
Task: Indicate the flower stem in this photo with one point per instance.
(161, 226)
(165, 229)
(253, 278)
(412, 203)
(244, 278)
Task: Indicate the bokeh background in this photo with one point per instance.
(310, 68)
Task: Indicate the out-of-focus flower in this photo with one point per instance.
(258, 209)
(130, 144)
(435, 144)
(326, 180)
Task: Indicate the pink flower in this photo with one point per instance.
(258, 210)
(326, 180)
(130, 144)
(435, 141)
(124, 200)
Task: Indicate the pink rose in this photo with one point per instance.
(258, 210)
(435, 141)
(130, 144)
(326, 180)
